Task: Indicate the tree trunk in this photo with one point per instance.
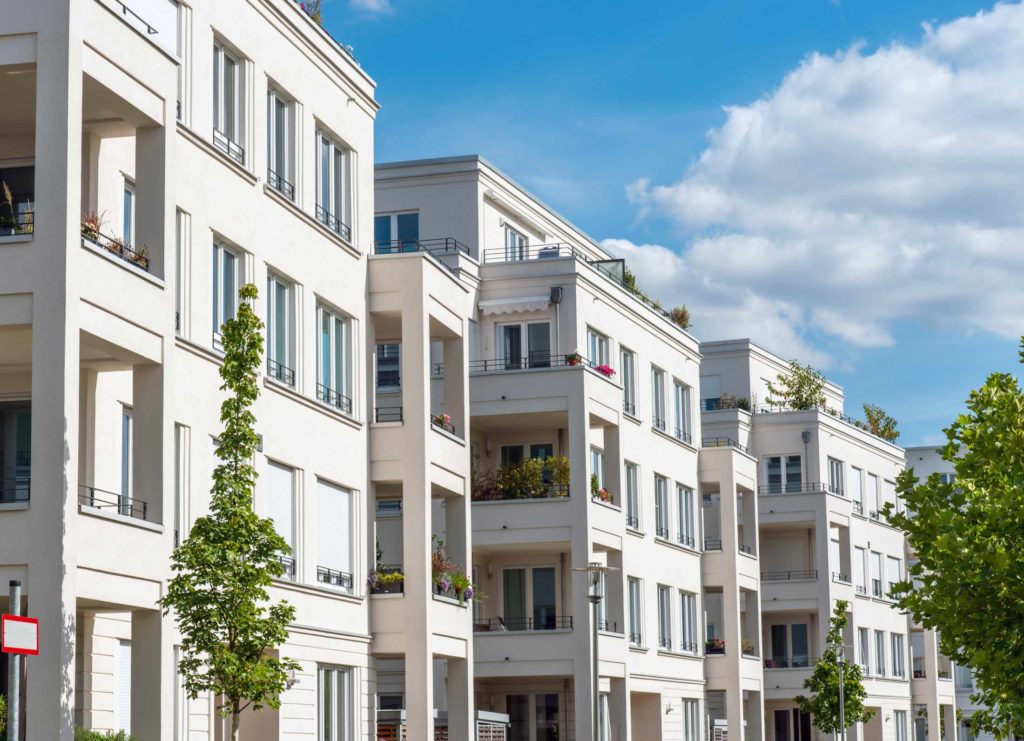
(236, 717)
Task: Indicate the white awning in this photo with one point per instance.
(514, 305)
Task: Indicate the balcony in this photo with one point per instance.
(118, 246)
(808, 575)
(387, 414)
(112, 502)
(228, 146)
(792, 488)
(522, 624)
(723, 442)
(437, 248)
(790, 662)
(533, 478)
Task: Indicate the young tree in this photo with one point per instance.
(823, 705)
(800, 389)
(224, 567)
(967, 583)
(880, 423)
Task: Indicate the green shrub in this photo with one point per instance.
(84, 734)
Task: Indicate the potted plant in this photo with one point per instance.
(595, 486)
(605, 370)
(141, 256)
(714, 646)
(747, 647)
(441, 420)
(558, 467)
(91, 225)
(573, 358)
(680, 315)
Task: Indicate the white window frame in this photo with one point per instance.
(627, 359)
(784, 486)
(128, 217)
(341, 380)
(526, 360)
(664, 617)
(221, 261)
(517, 245)
(598, 347)
(658, 412)
(334, 204)
(352, 535)
(343, 691)
(597, 465)
(688, 631)
(662, 529)
(528, 605)
(281, 172)
(864, 643)
(384, 353)
(127, 459)
(898, 649)
(286, 363)
(291, 537)
(880, 653)
(632, 478)
(229, 115)
(686, 513)
(635, 610)
(681, 404)
(836, 476)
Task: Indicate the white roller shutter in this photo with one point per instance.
(334, 527)
(280, 501)
(123, 686)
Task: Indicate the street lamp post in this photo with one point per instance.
(594, 571)
(841, 649)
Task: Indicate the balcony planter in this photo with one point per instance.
(602, 495)
(747, 648)
(605, 370)
(574, 359)
(714, 646)
(386, 582)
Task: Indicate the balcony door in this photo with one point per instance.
(528, 598)
(525, 345)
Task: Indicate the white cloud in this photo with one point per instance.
(869, 188)
(372, 7)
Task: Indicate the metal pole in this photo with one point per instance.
(842, 697)
(594, 600)
(14, 672)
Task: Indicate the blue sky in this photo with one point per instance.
(831, 178)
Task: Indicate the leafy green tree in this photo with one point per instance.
(967, 582)
(880, 423)
(802, 388)
(823, 704)
(223, 569)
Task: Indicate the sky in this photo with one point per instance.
(841, 181)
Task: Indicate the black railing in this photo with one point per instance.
(119, 247)
(792, 488)
(635, 639)
(874, 515)
(281, 185)
(665, 643)
(126, 11)
(608, 626)
(101, 499)
(333, 398)
(280, 372)
(892, 586)
(712, 544)
(787, 662)
(15, 489)
(840, 577)
(442, 421)
(688, 647)
(836, 489)
(518, 624)
(529, 362)
(919, 674)
(683, 435)
(789, 575)
(876, 587)
(333, 223)
(19, 223)
(723, 442)
(334, 578)
(861, 589)
(288, 566)
(629, 407)
(858, 508)
(944, 674)
(388, 379)
(727, 402)
(632, 521)
(549, 491)
(437, 246)
(658, 423)
(686, 540)
(232, 149)
(387, 414)
(748, 549)
(661, 531)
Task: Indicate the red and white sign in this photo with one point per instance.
(20, 635)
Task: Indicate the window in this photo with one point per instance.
(964, 678)
(899, 721)
(128, 225)
(789, 646)
(280, 330)
(691, 720)
(281, 509)
(632, 495)
(546, 717)
(688, 622)
(602, 606)
(334, 361)
(635, 612)
(597, 347)
(879, 653)
(792, 725)
(898, 655)
(394, 233)
(127, 460)
(664, 617)
(181, 468)
(893, 574)
(515, 244)
(596, 469)
(604, 718)
(123, 686)
(835, 477)
(859, 576)
(337, 714)
(888, 494)
(658, 398)
(917, 654)
(228, 103)
(183, 243)
(389, 364)
(876, 574)
(180, 698)
(856, 488)
(335, 535)
(872, 495)
(525, 345)
(528, 598)
(333, 185)
(681, 406)
(684, 499)
(511, 455)
(627, 361)
(279, 144)
(226, 280)
(660, 506)
(864, 644)
(710, 393)
(793, 481)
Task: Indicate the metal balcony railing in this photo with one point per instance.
(683, 435)
(685, 540)
(333, 223)
(281, 185)
(629, 407)
(635, 639)
(334, 578)
(633, 521)
(840, 578)
(858, 508)
(112, 501)
(608, 626)
(117, 246)
(331, 397)
(548, 491)
(387, 414)
(792, 488)
(790, 662)
(435, 246)
(442, 421)
(280, 372)
(748, 549)
(712, 544)
(231, 148)
(876, 587)
(664, 643)
(807, 575)
(661, 531)
(17, 223)
(658, 423)
(723, 442)
(522, 624)
(688, 647)
(288, 564)
(17, 488)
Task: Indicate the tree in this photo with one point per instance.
(800, 389)
(966, 583)
(823, 705)
(880, 423)
(223, 569)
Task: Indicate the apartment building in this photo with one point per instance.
(584, 439)
(160, 155)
